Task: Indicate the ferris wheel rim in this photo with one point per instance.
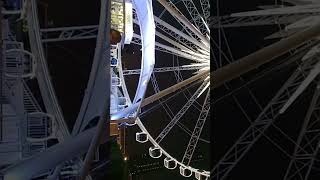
(150, 138)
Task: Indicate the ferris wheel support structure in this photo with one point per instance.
(196, 50)
(102, 53)
(43, 76)
(264, 120)
(263, 56)
(39, 164)
(52, 157)
(185, 21)
(307, 145)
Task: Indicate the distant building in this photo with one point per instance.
(114, 130)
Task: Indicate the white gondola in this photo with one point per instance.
(200, 176)
(185, 171)
(19, 64)
(155, 152)
(141, 137)
(169, 163)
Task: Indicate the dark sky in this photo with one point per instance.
(70, 61)
(263, 160)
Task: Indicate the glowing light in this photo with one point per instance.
(128, 28)
(206, 87)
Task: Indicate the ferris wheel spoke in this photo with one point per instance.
(68, 33)
(174, 42)
(188, 55)
(311, 76)
(193, 67)
(179, 78)
(182, 111)
(174, 88)
(220, 52)
(165, 105)
(264, 120)
(197, 130)
(178, 35)
(157, 90)
(173, 10)
(170, 113)
(196, 17)
(258, 20)
(289, 60)
(157, 105)
(197, 57)
(205, 5)
(308, 142)
(174, 34)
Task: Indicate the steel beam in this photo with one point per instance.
(264, 120)
(263, 56)
(181, 112)
(168, 69)
(197, 130)
(102, 53)
(307, 145)
(71, 147)
(230, 21)
(175, 13)
(174, 88)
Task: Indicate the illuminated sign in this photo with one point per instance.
(117, 18)
(128, 29)
(122, 18)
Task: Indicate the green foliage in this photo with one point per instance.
(118, 167)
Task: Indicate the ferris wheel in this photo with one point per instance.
(295, 83)
(182, 35)
(175, 41)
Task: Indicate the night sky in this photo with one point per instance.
(264, 160)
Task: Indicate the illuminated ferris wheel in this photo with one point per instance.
(181, 85)
(174, 75)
